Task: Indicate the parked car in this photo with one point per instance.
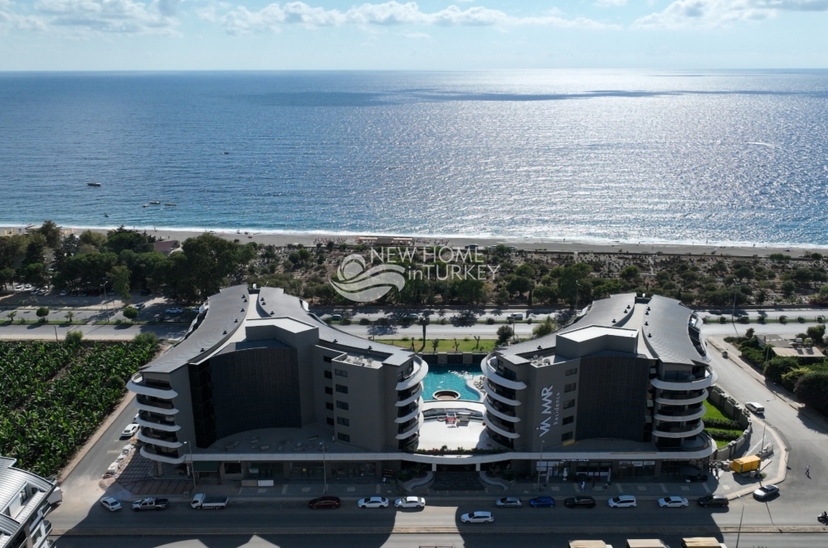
(335, 317)
(130, 430)
(175, 310)
(479, 516)
(509, 502)
(542, 502)
(755, 407)
(150, 503)
(111, 504)
(325, 503)
(580, 501)
(373, 502)
(673, 502)
(140, 306)
(713, 500)
(410, 502)
(766, 492)
(622, 501)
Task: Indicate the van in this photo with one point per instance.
(516, 316)
(757, 408)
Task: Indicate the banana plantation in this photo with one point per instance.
(53, 396)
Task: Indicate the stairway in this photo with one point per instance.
(456, 482)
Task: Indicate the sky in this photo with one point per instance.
(46, 35)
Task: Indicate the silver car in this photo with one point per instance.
(373, 502)
(410, 502)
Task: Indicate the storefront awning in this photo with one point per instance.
(206, 466)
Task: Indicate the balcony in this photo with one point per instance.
(685, 381)
(411, 429)
(408, 412)
(497, 376)
(166, 426)
(138, 385)
(501, 394)
(409, 396)
(499, 429)
(170, 442)
(168, 456)
(664, 431)
(669, 415)
(500, 411)
(675, 398)
(160, 407)
(418, 373)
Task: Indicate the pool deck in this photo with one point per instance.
(434, 434)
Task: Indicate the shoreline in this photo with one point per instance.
(550, 245)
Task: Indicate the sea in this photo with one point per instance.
(726, 157)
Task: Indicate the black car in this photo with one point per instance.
(719, 501)
(325, 503)
(145, 292)
(580, 501)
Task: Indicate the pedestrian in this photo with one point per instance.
(583, 486)
(808, 471)
(383, 481)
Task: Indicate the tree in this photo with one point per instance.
(11, 315)
(469, 291)
(119, 276)
(518, 285)
(51, 232)
(434, 344)
(504, 333)
(123, 239)
(544, 328)
(812, 390)
(546, 294)
(42, 312)
(93, 239)
(130, 313)
(817, 333)
(749, 333)
(69, 316)
(73, 338)
(777, 367)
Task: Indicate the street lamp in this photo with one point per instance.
(192, 464)
(104, 292)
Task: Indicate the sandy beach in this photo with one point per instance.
(309, 239)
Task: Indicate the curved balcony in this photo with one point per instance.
(687, 382)
(137, 385)
(495, 428)
(681, 399)
(502, 399)
(687, 416)
(413, 397)
(411, 414)
(417, 376)
(498, 413)
(150, 440)
(165, 426)
(684, 432)
(413, 429)
(155, 407)
(148, 453)
(491, 373)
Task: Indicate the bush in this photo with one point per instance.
(73, 338)
(762, 320)
(724, 435)
(364, 321)
(777, 367)
(722, 424)
(504, 333)
(345, 321)
(812, 390)
(42, 312)
(490, 321)
(744, 319)
(783, 319)
(792, 377)
(800, 319)
(130, 313)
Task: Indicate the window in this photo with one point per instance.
(566, 436)
(341, 373)
(570, 372)
(327, 359)
(568, 420)
(328, 390)
(342, 389)
(328, 375)
(342, 405)
(569, 404)
(343, 437)
(570, 387)
(328, 406)
(329, 420)
(343, 421)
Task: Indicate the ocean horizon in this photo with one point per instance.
(716, 157)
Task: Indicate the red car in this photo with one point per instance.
(325, 503)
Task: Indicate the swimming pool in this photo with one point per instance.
(450, 377)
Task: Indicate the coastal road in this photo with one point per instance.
(109, 332)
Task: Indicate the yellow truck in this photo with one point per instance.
(745, 464)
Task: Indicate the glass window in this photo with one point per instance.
(568, 420)
(570, 372)
(342, 389)
(343, 437)
(566, 436)
(568, 404)
(341, 373)
(343, 421)
(328, 375)
(342, 405)
(328, 359)
(328, 390)
(330, 421)
(328, 406)
(570, 387)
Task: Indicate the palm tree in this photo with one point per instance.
(11, 316)
(69, 316)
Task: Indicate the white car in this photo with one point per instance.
(477, 517)
(622, 501)
(111, 504)
(175, 310)
(410, 502)
(130, 430)
(509, 502)
(673, 502)
(373, 502)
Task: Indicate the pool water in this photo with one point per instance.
(450, 377)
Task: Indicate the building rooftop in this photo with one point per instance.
(12, 481)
